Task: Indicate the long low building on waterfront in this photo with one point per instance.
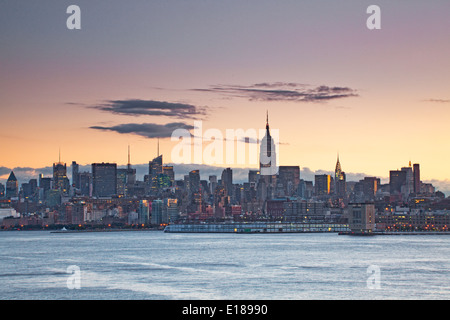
(256, 227)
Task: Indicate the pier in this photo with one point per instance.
(257, 227)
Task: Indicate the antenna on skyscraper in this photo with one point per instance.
(129, 162)
(158, 149)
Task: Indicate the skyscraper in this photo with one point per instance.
(157, 212)
(122, 182)
(416, 172)
(168, 171)
(253, 176)
(267, 154)
(370, 186)
(75, 174)
(267, 165)
(104, 177)
(212, 184)
(195, 192)
(322, 184)
(289, 179)
(12, 186)
(45, 184)
(171, 206)
(155, 168)
(227, 181)
(60, 180)
(340, 184)
(143, 213)
(85, 183)
(397, 178)
(408, 187)
(194, 181)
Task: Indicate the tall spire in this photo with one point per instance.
(338, 169)
(59, 155)
(157, 151)
(267, 119)
(129, 161)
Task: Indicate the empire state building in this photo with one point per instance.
(267, 165)
(267, 154)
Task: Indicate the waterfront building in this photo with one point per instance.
(304, 211)
(413, 220)
(361, 217)
(172, 212)
(143, 213)
(157, 212)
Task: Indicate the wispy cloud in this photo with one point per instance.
(438, 100)
(147, 130)
(282, 91)
(137, 107)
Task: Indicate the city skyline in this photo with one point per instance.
(378, 97)
(179, 170)
(240, 175)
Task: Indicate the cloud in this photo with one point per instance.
(4, 171)
(282, 91)
(441, 185)
(438, 100)
(147, 130)
(136, 107)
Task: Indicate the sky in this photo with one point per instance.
(137, 70)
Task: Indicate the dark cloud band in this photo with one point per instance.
(136, 107)
(147, 130)
(281, 91)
